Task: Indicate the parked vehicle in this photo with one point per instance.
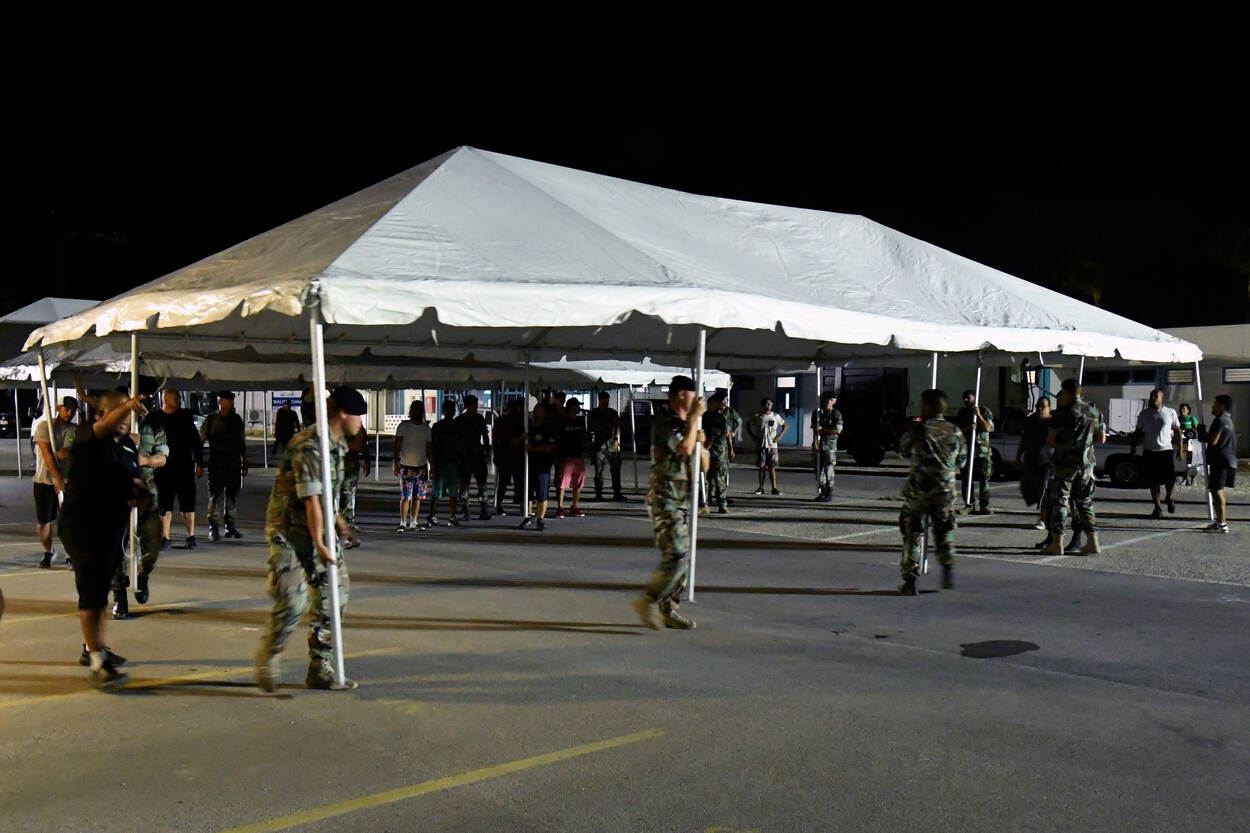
(8, 425)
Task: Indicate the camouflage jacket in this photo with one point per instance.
(152, 441)
(352, 457)
(298, 477)
(224, 435)
(733, 420)
(831, 419)
(670, 473)
(964, 420)
(937, 450)
(716, 427)
(1074, 429)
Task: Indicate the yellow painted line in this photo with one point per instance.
(426, 787)
(170, 681)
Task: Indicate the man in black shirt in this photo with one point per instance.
(605, 430)
(509, 439)
(540, 443)
(102, 485)
(177, 477)
(476, 441)
(571, 448)
(285, 425)
(446, 456)
(224, 432)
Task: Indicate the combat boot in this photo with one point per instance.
(267, 673)
(214, 534)
(985, 510)
(190, 545)
(141, 591)
(648, 611)
(673, 619)
(908, 587)
(948, 576)
(121, 605)
(967, 510)
(1074, 546)
(232, 531)
(1091, 544)
(483, 514)
(321, 676)
(1054, 546)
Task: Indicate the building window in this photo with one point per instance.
(1180, 377)
(1233, 375)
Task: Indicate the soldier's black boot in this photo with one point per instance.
(232, 531)
(482, 514)
(1074, 546)
(121, 604)
(214, 534)
(948, 576)
(908, 587)
(141, 591)
(598, 494)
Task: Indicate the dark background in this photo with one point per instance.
(1143, 215)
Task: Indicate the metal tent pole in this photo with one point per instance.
(525, 409)
(43, 385)
(1206, 466)
(972, 443)
(134, 427)
(17, 433)
(696, 470)
(378, 420)
(317, 331)
(264, 431)
(1080, 372)
(924, 541)
(933, 373)
(633, 436)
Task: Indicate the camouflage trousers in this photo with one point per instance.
(718, 479)
(347, 495)
(919, 512)
(1075, 489)
(150, 534)
(672, 538)
(982, 471)
(826, 463)
(223, 488)
(298, 579)
(606, 459)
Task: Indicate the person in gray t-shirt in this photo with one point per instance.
(51, 464)
(1221, 458)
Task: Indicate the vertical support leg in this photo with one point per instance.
(633, 437)
(696, 471)
(1206, 468)
(17, 433)
(1080, 372)
(972, 443)
(525, 409)
(264, 435)
(134, 427)
(327, 490)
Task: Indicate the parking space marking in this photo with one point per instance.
(438, 784)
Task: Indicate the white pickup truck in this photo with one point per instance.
(1115, 459)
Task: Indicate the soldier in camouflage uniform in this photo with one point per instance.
(605, 441)
(1074, 428)
(357, 456)
(719, 449)
(153, 452)
(827, 425)
(673, 439)
(298, 553)
(983, 462)
(937, 450)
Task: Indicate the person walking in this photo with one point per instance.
(411, 465)
(937, 451)
(1221, 459)
(50, 470)
(571, 446)
(720, 451)
(285, 425)
(153, 454)
(299, 553)
(1189, 436)
(767, 428)
(446, 455)
(826, 426)
(223, 430)
(1159, 431)
(1074, 428)
(356, 460)
(509, 447)
(970, 415)
(1033, 456)
(176, 479)
(605, 438)
(540, 447)
(674, 437)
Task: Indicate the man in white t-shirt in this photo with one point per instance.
(767, 428)
(50, 470)
(1159, 432)
(411, 465)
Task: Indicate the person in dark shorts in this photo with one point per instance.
(475, 440)
(1159, 432)
(540, 444)
(1221, 459)
(94, 519)
(176, 479)
(447, 463)
(51, 465)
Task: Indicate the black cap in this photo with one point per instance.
(719, 396)
(70, 402)
(679, 384)
(349, 400)
(225, 394)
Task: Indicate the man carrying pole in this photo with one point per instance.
(674, 438)
(1074, 428)
(295, 526)
(977, 422)
(937, 450)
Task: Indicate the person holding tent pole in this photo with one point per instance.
(938, 450)
(674, 438)
(1074, 428)
(296, 530)
(826, 425)
(50, 469)
(974, 418)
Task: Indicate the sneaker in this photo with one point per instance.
(948, 576)
(1091, 544)
(1040, 525)
(648, 611)
(164, 543)
(598, 497)
(453, 522)
(499, 511)
(121, 606)
(214, 535)
(141, 591)
(233, 532)
(46, 562)
(107, 676)
(540, 526)
(576, 512)
(190, 545)
(559, 513)
(431, 521)
(1217, 527)
(1171, 506)
(908, 587)
(351, 543)
(1156, 514)
(528, 523)
(758, 491)
(109, 656)
(315, 680)
(673, 619)
(69, 562)
(1041, 545)
(267, 675)
(776, 491)
(402, 529)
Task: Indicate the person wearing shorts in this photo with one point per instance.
(767, 428)
(540, 443)
(50, 470)
(446, 456)
(1159, 430)
(176, 479)
(410, 462)
(1221, 459)
(571, 447)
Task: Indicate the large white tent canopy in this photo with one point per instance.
(480, 254)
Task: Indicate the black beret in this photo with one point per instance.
(679, 384)
(225, 394)
(349, 400)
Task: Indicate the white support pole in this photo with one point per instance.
(525, 409)
(1206, 466)
(134, 428)
(328, 496)
(1080, 372)
(972, 442)
(696, 470)
(933, 373)
(264, 431)
(43, 385)
(17, 433)
(378, 422)
(924, 541)
(633, 437)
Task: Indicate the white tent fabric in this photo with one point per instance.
(481, 254)
(635, 374)
(16, 326)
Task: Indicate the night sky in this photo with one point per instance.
(1159, 231)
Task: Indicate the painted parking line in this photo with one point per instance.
(216, 673)
(472, 776)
